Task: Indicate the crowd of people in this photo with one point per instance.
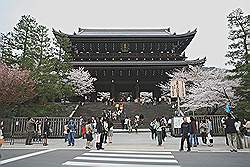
(235, 131)
(141, 100)
(34, 131)
(98, 128)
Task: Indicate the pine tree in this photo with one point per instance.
(29, 47)
(238, 55)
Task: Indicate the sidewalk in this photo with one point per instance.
(132, 141)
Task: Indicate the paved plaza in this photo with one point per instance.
(135, 150)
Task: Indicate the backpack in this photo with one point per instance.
(71, 125)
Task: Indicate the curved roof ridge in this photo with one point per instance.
(126, 32)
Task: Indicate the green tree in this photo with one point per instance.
(238, 55)
(28, 46)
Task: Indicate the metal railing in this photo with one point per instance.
(15, 128)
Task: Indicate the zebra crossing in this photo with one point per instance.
(96, 158)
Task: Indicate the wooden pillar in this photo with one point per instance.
(137, 90)
(156, 93)
(112, 91)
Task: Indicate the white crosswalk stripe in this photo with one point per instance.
(96, 158)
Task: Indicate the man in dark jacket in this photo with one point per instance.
(193, 135)
(99, 133)
(231, 133)
(30, 130)
(46, 131)
(185, 132)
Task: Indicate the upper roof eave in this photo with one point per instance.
(146, 35)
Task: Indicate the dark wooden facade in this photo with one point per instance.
(130, 60)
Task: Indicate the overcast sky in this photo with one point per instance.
(208, 16)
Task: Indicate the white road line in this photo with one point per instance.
(126, 159)
(128, 155)
(133, 152)
(23, 148)
(94, 164)
(24, 156)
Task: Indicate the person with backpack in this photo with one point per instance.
(231, 132)
(72, 132)
(30, 130)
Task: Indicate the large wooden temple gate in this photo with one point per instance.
(130, 60)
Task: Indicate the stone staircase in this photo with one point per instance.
(131, 109)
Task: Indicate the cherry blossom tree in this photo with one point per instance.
(81, 81)
(16, 86)
(205, 87)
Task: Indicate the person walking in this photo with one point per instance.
(46, 131)
(209, 132)
(35, 136)
(185, 133)
(30, 130)
(243, 131)
(231, 133)
(239, 136)
(99, 133)
(158, 127)
(203, 131)
(193, 134)
(153, 129)
(224, 126)
(39, 131)
(163, 127)
(89, 134)
(110, 130)
(129, 125)
(136, 124)
(66, 131)
(1, 134)
(105, 127)
(126, 123)
(72, 132)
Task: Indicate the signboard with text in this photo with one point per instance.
(177, 88)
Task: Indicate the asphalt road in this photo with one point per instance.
(67, 158)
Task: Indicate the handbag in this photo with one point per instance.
(1, 141)
(211, 140)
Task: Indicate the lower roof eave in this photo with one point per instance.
(137, 63)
